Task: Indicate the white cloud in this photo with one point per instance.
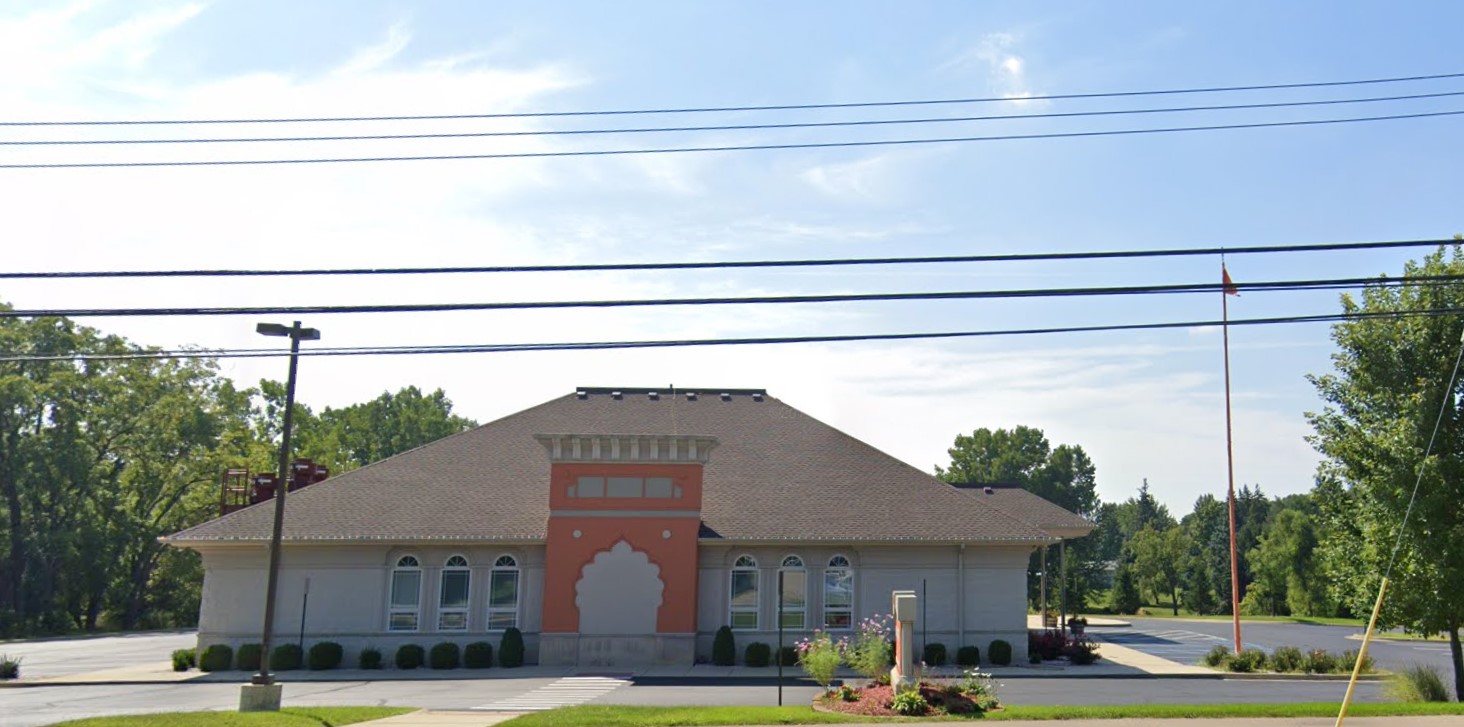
(862, 179)
(373, 57)
(995, 57)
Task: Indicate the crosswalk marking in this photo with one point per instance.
(565, 692)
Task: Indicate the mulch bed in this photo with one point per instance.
(874, 701)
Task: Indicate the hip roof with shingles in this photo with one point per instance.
(776, 474)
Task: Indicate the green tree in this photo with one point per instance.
(1064, 475)
(1124, 597)
(1209, 531)
(1159, 557)
(1199, 596)
(1283, 561)
(1390, 382)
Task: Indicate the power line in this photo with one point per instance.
(829, 262)
(722, 109)
(1269, 286)
(731, 127)
(747, 147)
(681, 343)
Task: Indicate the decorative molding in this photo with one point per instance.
(628, 448)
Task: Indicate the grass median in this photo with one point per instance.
(287, 717)
(616, 716)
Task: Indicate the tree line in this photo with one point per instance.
(100, 457)
(1385, 501)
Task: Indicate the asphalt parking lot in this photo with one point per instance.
(1185, 641)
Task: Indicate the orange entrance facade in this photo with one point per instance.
(620, 571)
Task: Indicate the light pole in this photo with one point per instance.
(262, 694)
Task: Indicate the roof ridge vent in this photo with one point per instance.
(726, 396)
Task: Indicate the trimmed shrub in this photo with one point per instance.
(183, 659)
(1000, 652)
(1081, 651)
(445, 655)
(758, 654)
(968, 656)
(1347, 659)
(724, 647)
(248, 657)
(1218, 656)
(478, 655)
(1417, 683)
(9, 666)
(1288, 659)
(410, 656)
(788, 656)
(934, 654)
(1247, 661)
(325, 655)
(286, 657)
(217, 657)
(1318, 661)
(370, 658)
(511, 649)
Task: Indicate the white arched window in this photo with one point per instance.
(503, 594)
(404, 603)
(743, 594)
(838, 594)
(452, 597)
(794, 614)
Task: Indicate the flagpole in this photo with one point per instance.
(1225, 293)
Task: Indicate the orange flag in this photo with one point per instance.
(1230, 288)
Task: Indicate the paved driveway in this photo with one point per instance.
(44, 658)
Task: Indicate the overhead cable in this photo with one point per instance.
(722, 109)
(724, 148)
(711, 265)
(1182, 288)
(679, 343)
(729, 127)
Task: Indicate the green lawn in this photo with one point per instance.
(288, 717)
(613, 716)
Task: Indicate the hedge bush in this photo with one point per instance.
(934, 654)
(1318, 661)
(248, 657)
(183, 659)
(286, 657)
(968, 656)
(511, 649)
(445, 655)
(758, 654)
(1000, 652)
(370, 658)
(325, 655)
(724, 647)
(410, 656)
(217, 657)
(788, 656)
(478, 655)
(1217, 656)
(9, 666)
(1348, 658)
(1288, 659)
(1248, 660)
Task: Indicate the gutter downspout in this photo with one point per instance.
(960, 595)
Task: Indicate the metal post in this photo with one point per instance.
(272, 586)
(924, 622)
(779, 655)
(1062, 582)
(304, 608)
(1042, 606)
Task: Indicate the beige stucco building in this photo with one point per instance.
(625, 526)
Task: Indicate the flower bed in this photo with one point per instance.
(877, 700)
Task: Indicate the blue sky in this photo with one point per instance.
(1144, 405)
